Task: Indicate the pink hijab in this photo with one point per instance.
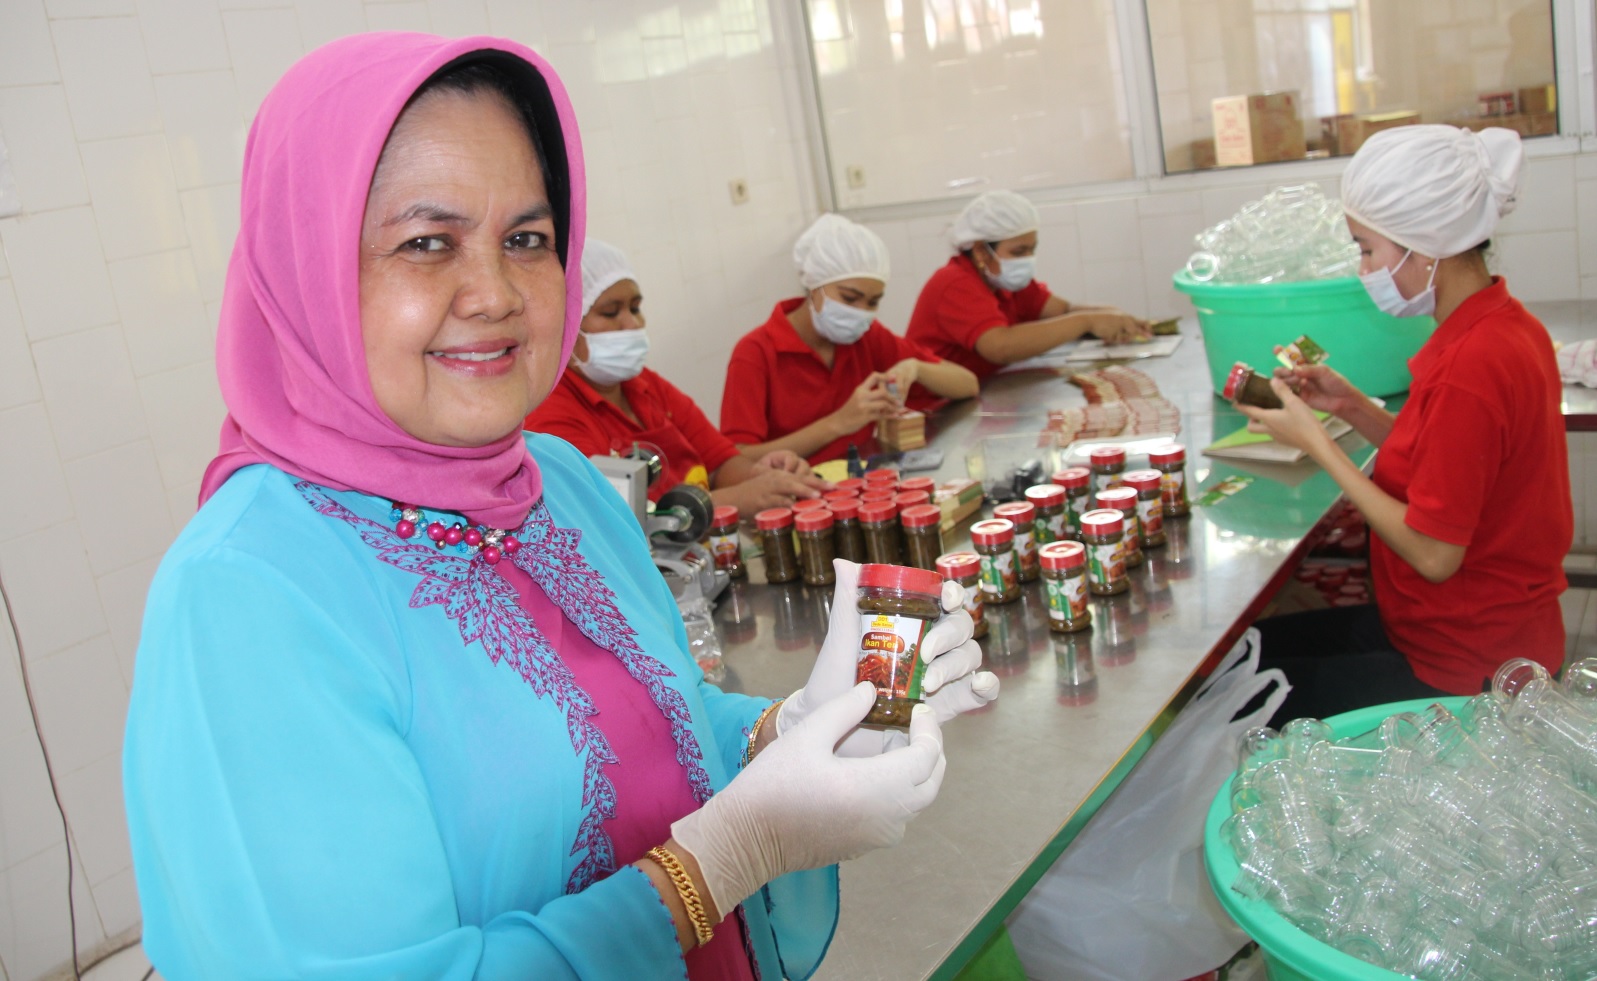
(289, 354)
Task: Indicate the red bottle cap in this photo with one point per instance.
(1016, 512)
(958, 565)
(876, 512)
(1174, 453)
(878, 494)
(1107, 456)
(1046, 495)
(855, 484)
(1143, 480)
(808, 504)
(815, 519)
(923, 581)
(840, 494)
(724, 515)
(877, 476)
(926, 484)
(774, 519)
(1235, 380)
(1120, 498)
(1063, 555)
(994, 531)
(1073, 477)
(920, 515)
(845, 508)
(909, 499)
(1102, 522)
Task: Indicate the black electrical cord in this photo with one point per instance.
(66, 832)
(148, 973)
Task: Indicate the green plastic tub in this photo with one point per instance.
(1244, 322)
(1289, 953)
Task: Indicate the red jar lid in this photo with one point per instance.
(1046, 495)
(909, 499)
(1105, 521)
(877, 476)
(808, 504)
(876, 512)
(844, 508)
(1063, 555)
(1174, 453)
(920, 515)
(923, 581)
(1107, 456)
(1143, 480)
(774, 519)
(994, 531)
(1017, 512)
(926, 484)
(1120, 498)
(1073, 477)
(958, 565)
(815, 519)
(878, 494)
(724, 515)
(840, 495)
(1235, 380)
(855, 484)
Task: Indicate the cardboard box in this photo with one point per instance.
(1538, 98)
(1203, 154)
(1352, 131)
(1523, 123)
(1255, 129)
(1497, 103)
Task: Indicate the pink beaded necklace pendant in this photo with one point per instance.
(490, 544)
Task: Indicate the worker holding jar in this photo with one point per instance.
(609, 401)
(817, 376)
(1469, 501)
(986, 308)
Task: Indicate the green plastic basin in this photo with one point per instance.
(1244, 322)
(1289, 953)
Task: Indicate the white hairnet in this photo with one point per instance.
(993, 217)
(603, 266)
(1438, 190)
(835, 248)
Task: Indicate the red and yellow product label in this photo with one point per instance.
(1150, 514)
(1067, 598)
(1106, 564)
(889, 654)
(1173, 488)
(726, 549)
(998, 573)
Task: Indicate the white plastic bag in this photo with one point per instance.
(1129, 899)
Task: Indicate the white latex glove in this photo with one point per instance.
(797, 805)
(952, 684)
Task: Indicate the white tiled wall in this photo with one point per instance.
(124, 121)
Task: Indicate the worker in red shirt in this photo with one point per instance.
(986, 308)
(1469, 502)
(609, 401)
(815, 378)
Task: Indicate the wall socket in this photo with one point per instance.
(856, 176)
(740, 190)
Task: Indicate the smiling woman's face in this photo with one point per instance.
(462, 295)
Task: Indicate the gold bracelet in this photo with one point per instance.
(754, 733)
(687, 890)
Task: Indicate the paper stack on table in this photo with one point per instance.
(905, 431)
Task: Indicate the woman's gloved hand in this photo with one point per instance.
(952, 682)
(798, 805)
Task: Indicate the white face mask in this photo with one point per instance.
(1013, 274)
(841, 323)
(1390, 300)
(614, 356)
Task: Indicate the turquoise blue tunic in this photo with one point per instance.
(351, 756)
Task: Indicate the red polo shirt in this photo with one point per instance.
(956, 307)
(1479, 454)
(776, 385)
(693, 448)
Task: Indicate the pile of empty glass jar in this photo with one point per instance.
(1437, 845)
(1292, 233)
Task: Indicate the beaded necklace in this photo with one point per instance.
(491, 544)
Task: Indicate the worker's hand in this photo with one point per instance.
(767, 488)
(800, 805)
(952, 684)
(1322, 388)
(784, 460)
(871, 401)
(903, 375)
(1294, 424)
(1119, 327)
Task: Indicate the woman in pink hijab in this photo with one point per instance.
(411, 700)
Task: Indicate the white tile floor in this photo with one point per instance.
(126, 965)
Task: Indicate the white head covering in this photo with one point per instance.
(603, 266)
(993, 217)
(1438, 190)
(835, 249)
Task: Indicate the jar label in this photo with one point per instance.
(1026, 547)
(1106, 564)
(889, 654)
(1067, 598)
(973, 602)
(1131, 542)
(1058, 526)
(998, 573)
(1151, 514)
(1105, 481)
(725, 549)
(1173, 488)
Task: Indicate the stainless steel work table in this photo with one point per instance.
(1076, 711)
